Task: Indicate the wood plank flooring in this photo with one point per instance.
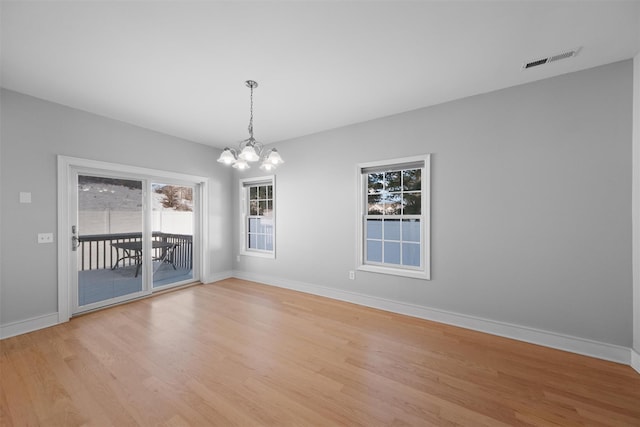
(240, 353)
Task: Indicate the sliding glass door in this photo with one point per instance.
(131, 234)
(172, 225)
(108, 240)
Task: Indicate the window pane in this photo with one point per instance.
(374, 251)
(392, 252)
(393, 181)
(253, 207)
(374, 229)
(261, 242)
(391, 229)
(269, 242)
(411, 230)
(392, 204)
(375, 182)
(253, 241)
(269, 192)
(266, 226)
(375, 204)
(253, 193)
(411, 179)
(262, 192)
(411, 254)
(268, 209)
(254, 225)
(412, 203)
(262, 207)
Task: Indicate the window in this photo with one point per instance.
(257, 196)
(394, 217)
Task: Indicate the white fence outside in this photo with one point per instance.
(110, 221)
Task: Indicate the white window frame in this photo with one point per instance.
(244, 214)
(423, 272)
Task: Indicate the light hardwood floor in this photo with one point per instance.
(240, 353)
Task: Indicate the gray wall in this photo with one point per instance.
(531, 205)
(531, 201)
(33, 133)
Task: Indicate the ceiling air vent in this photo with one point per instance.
(557, 57)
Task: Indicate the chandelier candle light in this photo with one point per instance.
(250, 150)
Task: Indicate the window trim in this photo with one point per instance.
(423, 273)
(245, 183)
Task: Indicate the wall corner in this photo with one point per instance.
(636, 210)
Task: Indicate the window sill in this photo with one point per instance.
(414, 274)
(258, 254)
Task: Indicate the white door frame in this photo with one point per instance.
(66, 169)
(635, 215)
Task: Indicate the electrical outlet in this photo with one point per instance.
(352, 275)
(45, 237)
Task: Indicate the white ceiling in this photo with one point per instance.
(179, 67)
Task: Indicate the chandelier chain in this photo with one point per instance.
(251, 116)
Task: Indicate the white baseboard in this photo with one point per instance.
(572, 344)
(215, 277)
(28, 325)
(535, 336)
(635, 360)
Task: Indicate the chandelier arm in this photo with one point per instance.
(258, 146)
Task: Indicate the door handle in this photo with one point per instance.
(75, 241)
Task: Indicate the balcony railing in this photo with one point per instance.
(95, 251)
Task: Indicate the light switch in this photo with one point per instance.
(45, 237)
(25, 197)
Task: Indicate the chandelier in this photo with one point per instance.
(250, 150)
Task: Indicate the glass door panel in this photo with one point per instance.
(172, 225)
(109, 240)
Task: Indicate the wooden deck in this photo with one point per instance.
(240, 353)
(98, 285)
